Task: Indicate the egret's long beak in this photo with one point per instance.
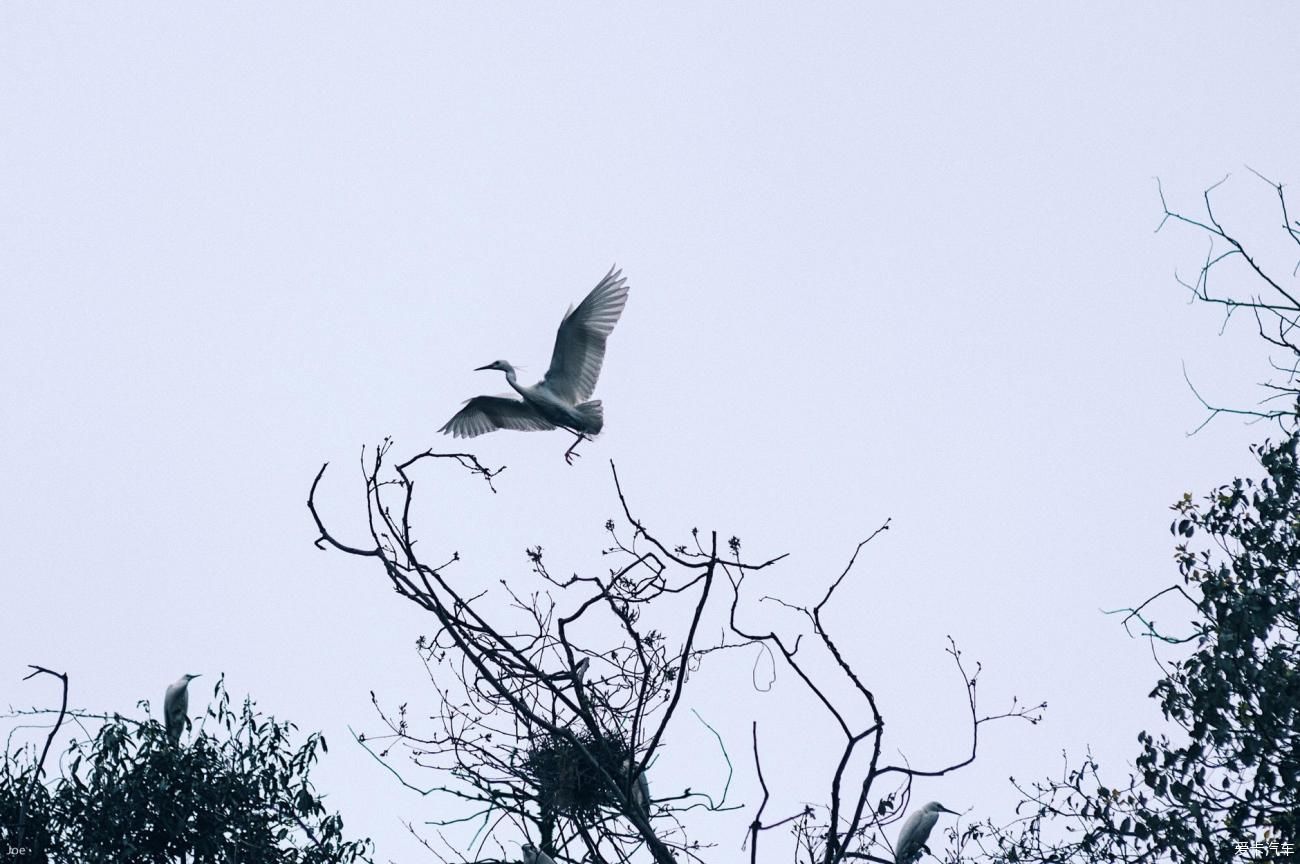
(482, 368)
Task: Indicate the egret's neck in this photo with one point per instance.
(510, 378)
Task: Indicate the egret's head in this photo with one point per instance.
(936, 807)
(189, 678)
(499, 365)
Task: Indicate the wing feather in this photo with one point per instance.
(484, 414)
(580, 341)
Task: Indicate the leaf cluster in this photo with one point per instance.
(241, 793)
(1227, 770)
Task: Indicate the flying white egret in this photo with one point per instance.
(559, 399)
(640, 789)
(176, 706)
(533, 855)
(916, 830)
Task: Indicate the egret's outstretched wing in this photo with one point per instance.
(580, 342)
(490, 413)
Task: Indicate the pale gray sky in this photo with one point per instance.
(885, 261)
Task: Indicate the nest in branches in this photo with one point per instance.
(565, 778)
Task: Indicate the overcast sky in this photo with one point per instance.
(884, 262)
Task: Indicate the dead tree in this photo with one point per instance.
(860, 799)
(553, 702)
(1272, 300)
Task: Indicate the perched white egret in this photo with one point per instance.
(916, 830)
(559, 399)
(641, 793)
(176, 706)
(640, 789)
(580, 670)
(533, 855)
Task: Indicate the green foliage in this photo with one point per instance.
(26, 804)
(1230, 772)
(130, 795)
(1238, 695)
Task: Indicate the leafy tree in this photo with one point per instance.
(27, 822)
(1229, 771)
(129, 795)
(1222, 782)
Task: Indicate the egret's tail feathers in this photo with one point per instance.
(593, 417)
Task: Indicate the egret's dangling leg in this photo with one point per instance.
(569, 455)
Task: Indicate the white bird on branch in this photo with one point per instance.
(176, 706)
(916, 830)
(559, 400)
(580, 670)
(640, 789)
(533, 855)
